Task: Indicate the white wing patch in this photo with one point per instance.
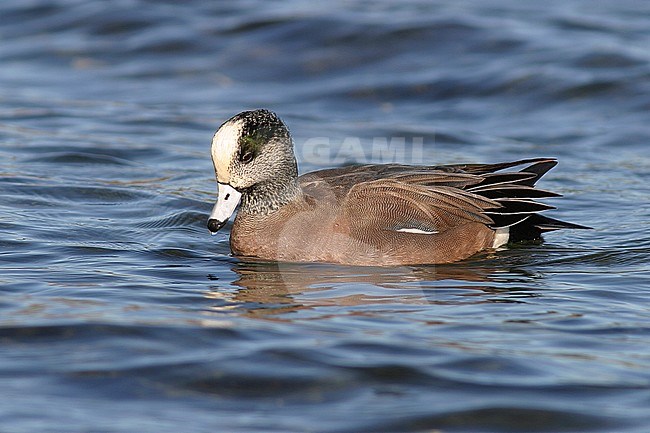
(224, 149)
(417, 231)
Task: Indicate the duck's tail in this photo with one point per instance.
(516, 193)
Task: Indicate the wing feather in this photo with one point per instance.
(436, 198)
(388, 204)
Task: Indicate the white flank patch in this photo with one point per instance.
(417, 231)
(501, 237)
(224, 149)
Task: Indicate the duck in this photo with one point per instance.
(367, 214)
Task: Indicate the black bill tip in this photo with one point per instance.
(215, 225)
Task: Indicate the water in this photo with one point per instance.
(119, 313)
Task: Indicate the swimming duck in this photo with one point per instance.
(370, 214)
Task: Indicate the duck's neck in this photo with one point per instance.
(267, 197)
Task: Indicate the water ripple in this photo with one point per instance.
(116, 300)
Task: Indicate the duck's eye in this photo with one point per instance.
(246, 157)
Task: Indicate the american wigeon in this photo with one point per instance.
(369, 214)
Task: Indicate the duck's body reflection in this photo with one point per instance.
(273, 290)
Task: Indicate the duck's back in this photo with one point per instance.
(513, 193)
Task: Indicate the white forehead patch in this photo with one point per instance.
(224, 149)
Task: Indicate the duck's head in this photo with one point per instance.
(252, 153)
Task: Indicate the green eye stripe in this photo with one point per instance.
(250, 144)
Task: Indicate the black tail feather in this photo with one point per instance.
(539, 169)
(518, 206)
(516, 193)
(547, 224)
(532, 228)
(508, 178)
(491, 168)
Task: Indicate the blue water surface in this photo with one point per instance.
(119, 313)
